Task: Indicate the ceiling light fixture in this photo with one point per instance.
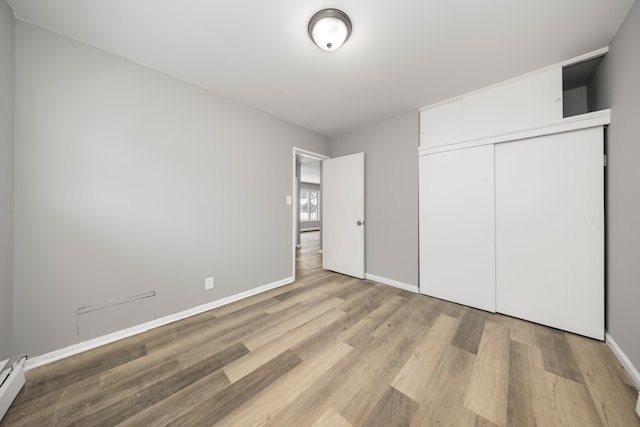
(329, 29)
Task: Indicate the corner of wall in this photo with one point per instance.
(7, 60)
(623, 206)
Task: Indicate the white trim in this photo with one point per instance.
(391, 282)
(638, 406)
(12, 386)
(582, 121)
(577, 59)
(448, 100)
(2, 365)
(624, 360)
(143, 327)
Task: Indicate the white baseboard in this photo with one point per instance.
(624, 360)
(71, 350)
(626, 364)
(391, 282)
(11, 386)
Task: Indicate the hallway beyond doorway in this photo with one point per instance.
(308, 256)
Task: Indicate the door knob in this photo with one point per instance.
(360, 222)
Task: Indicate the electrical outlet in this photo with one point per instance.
(208, 283)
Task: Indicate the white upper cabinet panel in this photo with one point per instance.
(442, 124)
(517, 104)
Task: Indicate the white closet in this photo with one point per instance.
(512, 211)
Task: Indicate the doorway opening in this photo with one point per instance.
(307, 210)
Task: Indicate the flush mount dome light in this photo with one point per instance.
(329, 29)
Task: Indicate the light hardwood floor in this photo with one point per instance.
(330, 350)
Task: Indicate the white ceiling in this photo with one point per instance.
(402, 54)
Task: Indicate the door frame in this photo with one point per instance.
(295, 196)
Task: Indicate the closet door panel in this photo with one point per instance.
(550, 230)
(457, 234)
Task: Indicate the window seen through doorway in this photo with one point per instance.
(309, 205)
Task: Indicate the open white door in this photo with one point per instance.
(343, 212)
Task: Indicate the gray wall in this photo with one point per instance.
(391, 194)
(129, 181)
(6, 179)
(574, 101)
(623, 179)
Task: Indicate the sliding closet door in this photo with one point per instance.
(550, 230)
(457, 227)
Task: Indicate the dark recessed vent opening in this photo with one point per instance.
(583, 87)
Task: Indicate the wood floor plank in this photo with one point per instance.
(74, 402)
(264, 407)
(357, 333)
(528, 403)
(377, 370)
(482, 422)
(130, 405)
(234, 396)
(557, 354)
(303, 290)
(179, 403)
(393, 409)
(522, 391)
(571, 403)
(444, 392)
(416, 311)
(174, 344)
(356, 289)
(354, 373)
(369, 301)
(261, 355)
(224, 336)
(330, 418)
(313, 344)
(469, 332)
(426, 358)
(456, 311)
(256, 340)
(309, 294)
(520, 330)
(488, 387)
(201, 325)
(605, 380)
(66, 371)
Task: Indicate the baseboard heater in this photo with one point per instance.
(11, 381)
